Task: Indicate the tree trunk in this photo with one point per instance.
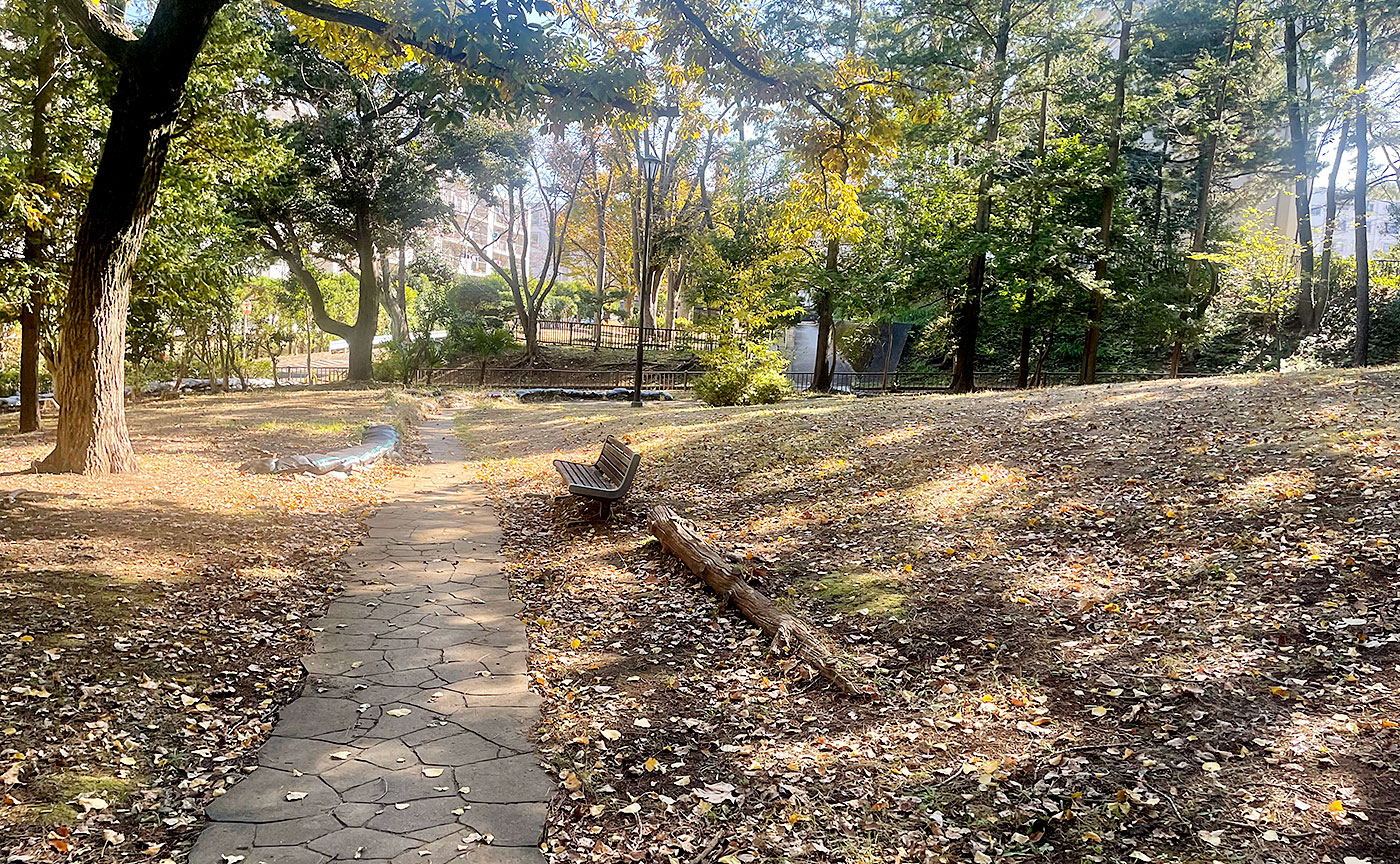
(681, 538)
(1176, 359)
(600, 288)
(361, 340)
(970, 310)
(673, 288)
(1363, 159)
(1302, 180)
(1089, 367)
(530, 326)
(822, 365)
(1023, 363)
(1205, 176)
(391, 301)
(92, 436)
(1323, 282)
(36, 241)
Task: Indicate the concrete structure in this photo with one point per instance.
(1382, 223)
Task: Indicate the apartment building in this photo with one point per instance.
(486, 223)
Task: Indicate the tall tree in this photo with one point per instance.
(1089, 367)
(504, 43)
(969, 311)
(539, 205)
(1363, 164)
(36, 232)
(1299, 144)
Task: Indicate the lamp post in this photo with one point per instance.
(651, 168)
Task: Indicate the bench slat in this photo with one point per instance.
(608, 479)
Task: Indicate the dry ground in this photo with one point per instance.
(1154, 622)
(152, 622)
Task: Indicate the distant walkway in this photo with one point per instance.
(409, 742)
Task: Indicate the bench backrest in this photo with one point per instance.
(618, 463)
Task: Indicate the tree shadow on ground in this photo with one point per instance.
(1097, 596)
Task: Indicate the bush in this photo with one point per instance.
(743, 375)
(9, 380)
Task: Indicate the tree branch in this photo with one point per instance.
(402, 36)
(109, 35)
(725, 50)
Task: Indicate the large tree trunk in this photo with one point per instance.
(1363, 158)
(1302, 180)
(92, 436)
(681, 538)
(361, 340)
(970, 310)
(1089, 367)
(36, 241)
(826, 324)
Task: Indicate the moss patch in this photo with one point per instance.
(856, 591)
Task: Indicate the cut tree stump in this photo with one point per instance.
(681, 538)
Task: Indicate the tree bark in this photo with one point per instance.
(1302, 180)
(970, 310)
(1329, 231)
(1363, 158)
(601, 285)
(92, 436)
(1205, 176)
(673, 289)
(826, 324)
(361, 339)
(1023, 362)
(36, 241)
(681, 538)
(1089, 367)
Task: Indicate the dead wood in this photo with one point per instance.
(681, 538)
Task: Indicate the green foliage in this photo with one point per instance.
(739, 376)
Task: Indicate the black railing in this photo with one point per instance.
(654, 379)
(581, 334)
(318, 374)
(581, 379)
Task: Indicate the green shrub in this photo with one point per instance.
(743, 375)
(9, 380)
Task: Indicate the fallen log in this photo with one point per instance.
(681, 538)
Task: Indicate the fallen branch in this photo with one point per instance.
(681, 538)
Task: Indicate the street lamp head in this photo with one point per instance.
(651, 167)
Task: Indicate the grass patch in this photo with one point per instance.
(326, 427)
(858, 591)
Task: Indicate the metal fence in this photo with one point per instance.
(318, 374)
(581, 379)
(584, 335)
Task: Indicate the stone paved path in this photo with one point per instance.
(410, 736)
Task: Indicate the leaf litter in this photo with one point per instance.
(1150, 622)
(154, 622)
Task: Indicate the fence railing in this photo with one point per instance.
(318, 374)
(684, 379)
(582, 379)
(581, 334)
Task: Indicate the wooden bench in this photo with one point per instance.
(606, 480)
